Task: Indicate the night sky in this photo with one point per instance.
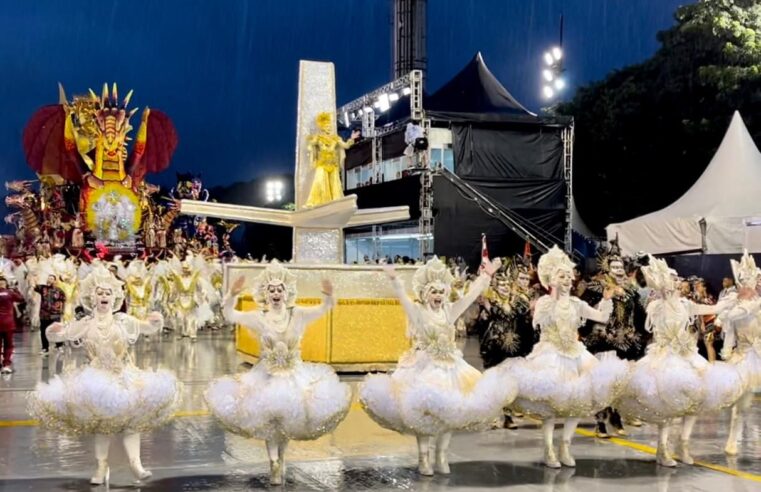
(225, 71)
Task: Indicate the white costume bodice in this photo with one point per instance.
(279, 332)
(559, 320)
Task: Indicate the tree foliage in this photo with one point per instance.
(645, 133)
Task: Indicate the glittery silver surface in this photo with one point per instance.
(349, 281)
(317, 93)
(317, 246)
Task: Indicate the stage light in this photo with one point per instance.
(274, 190)
(406, 91)
(367, 109)
(548, 58)
(557, 53)
(393, 97)
(548, 92)
(559, 84)
(384, 103)
(547, 74)
(377, 104)
(346, 119)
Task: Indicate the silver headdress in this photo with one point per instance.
(101, 277)
(552, 262)
(433, 275)
(745, 271)
(276, 274)
(658, 274)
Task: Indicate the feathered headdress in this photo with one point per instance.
(433, 275)
(745, 271)
(100, 276)
(658, 274)
(276, 274)
(552, 262)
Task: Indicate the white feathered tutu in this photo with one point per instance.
(748, 362)
(301, 403)
(430, 396)
(664, 385)
(553, 384)
(91, 400)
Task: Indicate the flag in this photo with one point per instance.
(484, 253)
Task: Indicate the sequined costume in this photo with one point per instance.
(327, 152)
(433, 391)
(560, 378)
(742, 339)
(109, 395)
(672, 379)
(281, 398)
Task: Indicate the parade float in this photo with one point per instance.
(91, 187)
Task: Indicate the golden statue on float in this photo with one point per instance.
(84, 142)
(326, 152)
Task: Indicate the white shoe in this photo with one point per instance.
(565, 455)
(684, 454)
(424, 465)
(44, 353)
(664, 459)
(731, 449)
(550, 460)
(138, 470)
(276, 472)
(101, 474)
(442, 464)
(6, 370)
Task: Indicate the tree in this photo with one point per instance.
(645, 133)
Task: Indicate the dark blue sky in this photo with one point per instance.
(225, 71)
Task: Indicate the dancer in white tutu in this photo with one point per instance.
(434, 391)
(560, 379)
(673, 380)
(742, 339)
(281, 398)
(109, 395)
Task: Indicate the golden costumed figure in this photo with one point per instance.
(327, 152)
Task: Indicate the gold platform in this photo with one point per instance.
(359, 334)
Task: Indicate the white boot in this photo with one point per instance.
(565, 454)
(102, 474)
(550, 460)
(442, 450)
(102, 444)
(662, 456)
(424, 456)
(132, 447)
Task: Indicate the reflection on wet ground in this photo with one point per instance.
(193, 453)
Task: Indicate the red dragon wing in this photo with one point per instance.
(160, 143)
(46, 149)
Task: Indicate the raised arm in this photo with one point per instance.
(476, 289)
(410, 308)
(250, 319)
(708, 309)
(309, 314)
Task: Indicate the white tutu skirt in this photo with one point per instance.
(748, 363)
(427, 396)
(302, 403)
(96, 401)
(554, 385)
(664, 385)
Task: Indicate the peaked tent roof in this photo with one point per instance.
(476, 94)
(724, 196)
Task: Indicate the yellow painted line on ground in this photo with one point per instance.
(651, 450)
(18, 423)
(33, 423)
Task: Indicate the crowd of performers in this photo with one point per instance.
(622, 347)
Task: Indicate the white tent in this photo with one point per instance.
(716, 215)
